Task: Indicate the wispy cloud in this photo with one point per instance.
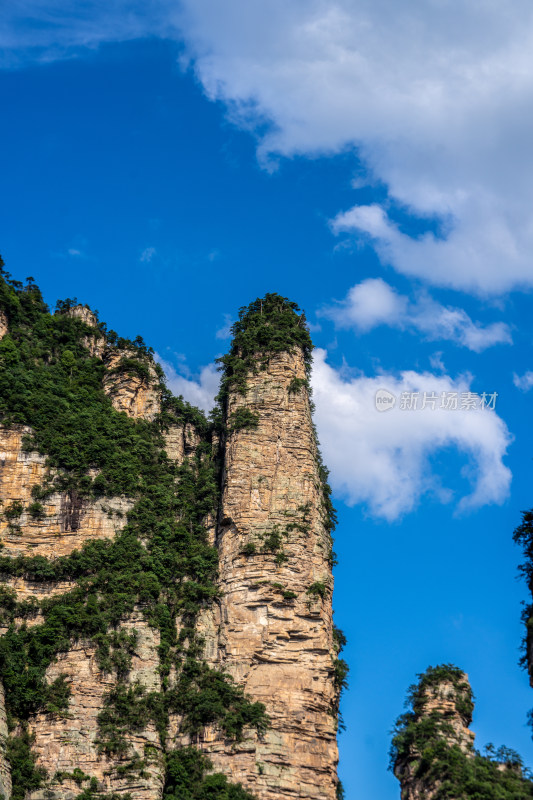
(374, 302)
(77, 251)
(523, 382)
(46, 30)
(225, 331)
(147, 255)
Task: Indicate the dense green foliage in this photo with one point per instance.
(272, 324)
(243, 418)
(523, 536)
(425, 740)
(318, 588)
(161, 561)
(24, 774)
(187, 779)
(297, 384)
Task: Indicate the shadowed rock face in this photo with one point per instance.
(5, 772)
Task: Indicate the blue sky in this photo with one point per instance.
(169, 164)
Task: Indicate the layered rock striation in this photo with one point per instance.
(274, 619)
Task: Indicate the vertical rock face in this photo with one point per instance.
(65, 520)
(181, 441)
(134, 393)
(275, 613)
(64, 744)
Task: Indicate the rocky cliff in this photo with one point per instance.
(433, 754)
(166, 604)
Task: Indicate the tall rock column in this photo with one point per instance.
(276, 583)
(440, 718)
(433, 754)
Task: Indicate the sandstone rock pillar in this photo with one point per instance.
(275, 575)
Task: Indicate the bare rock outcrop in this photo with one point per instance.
(65, 521)
(181, 441)
(64, 743)
(135, 393)
(95, 343)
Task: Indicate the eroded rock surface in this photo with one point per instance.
(5, 772)
(64, 743)
(136, 394)
(66, 520)
(275, 617)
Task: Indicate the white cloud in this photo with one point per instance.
(523, 382)
(368, 304)
(147, 255)
(382, 459)
(199, 392)
(437, 98)
(374, 302)
(436, 362)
